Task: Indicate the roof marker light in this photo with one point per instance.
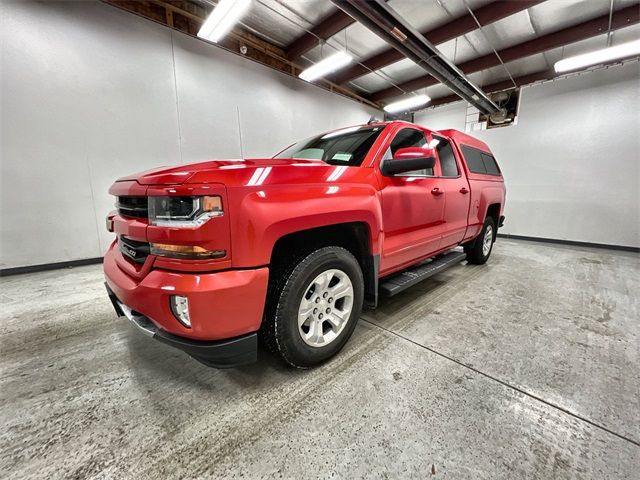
(604, 55)
(222, 19)
(328, 65)
(342, 131)
(407, 104)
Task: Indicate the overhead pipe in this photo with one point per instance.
(385, 22)
(456, 27)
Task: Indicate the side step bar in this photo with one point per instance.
(399, 282)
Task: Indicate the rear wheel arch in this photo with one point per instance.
(479, 251)
(493, 211)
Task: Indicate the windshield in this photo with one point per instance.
(347, 147)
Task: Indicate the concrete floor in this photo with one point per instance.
(527, 367)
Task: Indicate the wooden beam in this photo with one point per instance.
(621, 18)
(328, 27)
(187, 17)
(547, 74)
(508, 84)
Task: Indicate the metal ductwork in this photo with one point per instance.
(385, 22)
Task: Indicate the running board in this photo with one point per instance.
(401, 281)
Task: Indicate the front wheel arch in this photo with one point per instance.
(280, 329)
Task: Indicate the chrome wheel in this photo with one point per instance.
(487, 241)
(325, 308)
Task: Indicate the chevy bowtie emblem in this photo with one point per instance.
(128, 250)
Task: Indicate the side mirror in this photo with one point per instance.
(409, 159)
(414, 152)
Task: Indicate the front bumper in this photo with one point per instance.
(225, 308)
(221, 354)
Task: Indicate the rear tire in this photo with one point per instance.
(316, 310)
(480, 251)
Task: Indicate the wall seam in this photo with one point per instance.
(240, 132)
(175, 88)
(93, 198)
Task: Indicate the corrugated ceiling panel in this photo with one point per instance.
(282, 21)
(554, 15)
(504, 33)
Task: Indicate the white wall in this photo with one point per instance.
(572, 164)
(88, 95)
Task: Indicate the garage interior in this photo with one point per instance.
(525, 367)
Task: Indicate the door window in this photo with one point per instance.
(448, 164)
(409, 137)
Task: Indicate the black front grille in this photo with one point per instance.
(136, 207)
(133, 249)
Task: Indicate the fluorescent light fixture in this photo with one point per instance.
(328, 65)
(608, 54)
(407, 104)
(224, 16)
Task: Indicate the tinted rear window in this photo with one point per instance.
(480, 162)
(490, 164)
(473, 158)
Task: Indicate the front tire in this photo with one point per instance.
(480, 251)
(317, 308)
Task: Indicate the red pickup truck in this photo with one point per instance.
(209, 256)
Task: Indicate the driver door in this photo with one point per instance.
(412, 208)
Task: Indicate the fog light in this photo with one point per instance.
(180, 309)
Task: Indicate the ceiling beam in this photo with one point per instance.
(621, 18)
(457, 27)
(548, 74)
(332, 24)
(328, 27)
(507, 84)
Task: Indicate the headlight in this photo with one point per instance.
(183, 212)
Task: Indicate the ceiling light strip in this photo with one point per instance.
(223, 18)
(328, 65)
(407, 104)
(604, 55)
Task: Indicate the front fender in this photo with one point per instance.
(259, 218)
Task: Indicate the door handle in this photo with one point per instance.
(436, 191)
(464, 190)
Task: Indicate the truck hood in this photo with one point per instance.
(247, 172)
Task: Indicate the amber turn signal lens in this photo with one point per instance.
(192, 252)
(212, 204)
